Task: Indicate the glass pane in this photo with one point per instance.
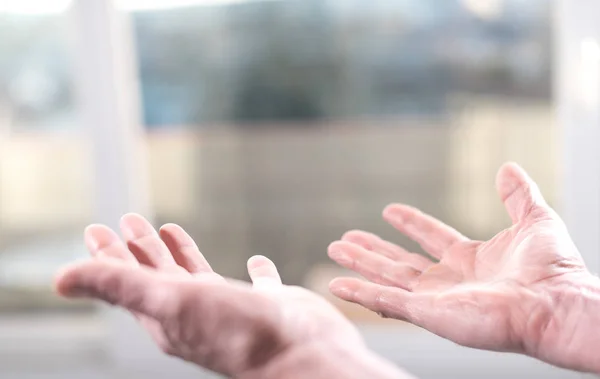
(44, 167)
(276, 126)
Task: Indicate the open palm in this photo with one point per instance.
(196, 314)
(485, 294)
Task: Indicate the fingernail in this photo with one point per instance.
(128, 232)
(340, 257)
(389, 212)
(343, 291)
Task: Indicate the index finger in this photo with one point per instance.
(184, 249)
(118, 283)
(434, 236)
(102, 241)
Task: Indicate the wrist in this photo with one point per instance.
(570, 337)
(324, 360)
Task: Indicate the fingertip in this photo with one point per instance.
(335, 282)
(360, 238)
(129, 219)
(175, 234)
(130, 216)
(259, 261)
(263, 272)
(511, 167)
(66, 282)
(352, 234)
(344, 252)
(397, 212)
(170, 230)
(58, 283)
(388, 210)
(334, 246)
(92, 228)
(134, 225)
(343, 287)
(97, 236)
(510, 177)
(519, 193)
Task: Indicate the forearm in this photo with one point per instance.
(322, 361)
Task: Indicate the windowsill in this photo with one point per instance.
(70, 344)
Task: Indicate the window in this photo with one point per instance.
(274, 126)
(310, 116)
(44, 168)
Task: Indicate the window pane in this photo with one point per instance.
(276, 126)
(44, 166)
(273, 127)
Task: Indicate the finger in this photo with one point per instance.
(102, 242)
(184, 250)
(389, 302)
(115, 282)
(373, 267)
(519, 193)
(263, 272)
(144, 242)
(434, 236)
(387, 249)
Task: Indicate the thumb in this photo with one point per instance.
(519, 193)
(263, 272)
(117, 283)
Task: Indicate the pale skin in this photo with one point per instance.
(264, 330)
(526, 290)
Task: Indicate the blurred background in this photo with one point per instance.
(262, 127)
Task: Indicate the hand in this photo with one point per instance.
(267, 330)
(521, 291)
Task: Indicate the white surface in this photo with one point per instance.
(73, 349)
(578, 27)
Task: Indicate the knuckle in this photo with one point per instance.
(109, 287)
(377, 301)
(173, 301)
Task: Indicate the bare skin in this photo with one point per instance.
(526, 290)
(267, 330)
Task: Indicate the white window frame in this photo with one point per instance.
(577, 99)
